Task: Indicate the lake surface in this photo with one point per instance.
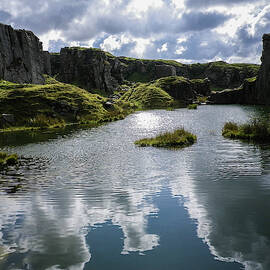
(91, 199)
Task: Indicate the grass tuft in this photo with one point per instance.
(179, 138)
(7, 160)
(192, 106)
(255, 130)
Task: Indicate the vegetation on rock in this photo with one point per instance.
(179, 138)
(158, 61)
(54, 104)
(192, 106)
(255, 130)
(172, 91)
(7, 160)
(148, 96)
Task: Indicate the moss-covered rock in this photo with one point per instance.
(148, 96)
(178, 87)
(55, 104)
(164, 92)
(7, 160)
(245, 94)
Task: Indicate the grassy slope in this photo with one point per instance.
(148, 96)
(239, 66)
(153, 95)
(58, 101)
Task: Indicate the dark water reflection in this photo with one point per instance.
(95, 201)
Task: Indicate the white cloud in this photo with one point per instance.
(180, 50)
(140, 47)
(141, 6)
(114, 43)
(163, 48)
(147, 25)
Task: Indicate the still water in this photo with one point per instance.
(91, 199)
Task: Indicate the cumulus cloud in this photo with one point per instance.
(221, 29)
(207, 3)
(196, 21)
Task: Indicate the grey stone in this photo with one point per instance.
(22, 59)
(263, 82)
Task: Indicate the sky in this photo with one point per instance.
(188, 31)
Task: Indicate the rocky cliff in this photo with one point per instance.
(22, 59)
(95, 69)
(263, 82)
(254, 90)
(91, 69)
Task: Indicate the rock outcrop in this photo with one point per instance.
(22, 59)
(177, 87)
(246, 94)
(169, 91)
(254, 90)
(263, 82)
(95, 69)
(88, 68)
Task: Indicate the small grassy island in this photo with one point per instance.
(7, 160)
(257, 130)
(179, 138)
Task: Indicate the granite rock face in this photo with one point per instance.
(201, 87)
(92, 68)
(88, 68)
(263, 82)
(227, 96)
(22, 59)
(178, 87)
(253, 91)
(246, 94)
(225, 75)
